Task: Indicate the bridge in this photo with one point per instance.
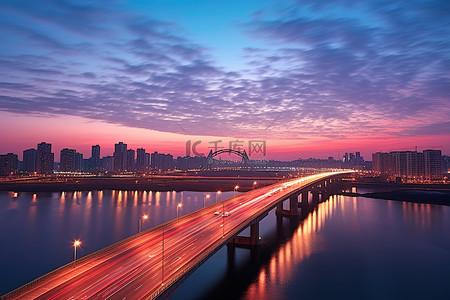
(243, 154)
(154, 263)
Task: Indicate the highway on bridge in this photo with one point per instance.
(143, 265)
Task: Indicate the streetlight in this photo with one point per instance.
(143, 218)
(223, 219)
(178, 206)
(254, 184)
(76, 243)
(204, 199)
(235, 189)
(218, 194)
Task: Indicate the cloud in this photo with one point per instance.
(326, 71)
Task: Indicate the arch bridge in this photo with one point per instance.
(242, 154)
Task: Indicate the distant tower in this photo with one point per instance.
(120, 157)
(45, 158)
(29, 160)
(79, 162)
(140, 159)
(67, 161)
(130, 160)
(433, 164)
(95, 158)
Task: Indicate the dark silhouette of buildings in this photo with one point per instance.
(67, 161)
(191, 163)
(107, 163)
(353, 159)
(409, 164)
(142, 160)
(45, 158)
(131, 162)
(120, 157)
(29, 160)
(94, 163)
(433, 164)
(8, 164)
(79, 162)
(162, 162)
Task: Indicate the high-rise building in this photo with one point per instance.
(120, 157)
(345, 157)
(162, 162)
(95, 158)
(147, 161)
(67, 161)
(433, 164)
(108, 163)
(409, 164)
(8, 164)
(29, 160)
(79, 162)
(131, 163)
(44, 159)
(140, 160)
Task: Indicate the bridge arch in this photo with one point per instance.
(242, 154)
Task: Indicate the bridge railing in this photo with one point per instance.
(72, 265)
(210, 249)
(214, 247)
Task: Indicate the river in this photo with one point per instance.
(348, 247)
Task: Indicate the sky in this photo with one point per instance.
(310, 78)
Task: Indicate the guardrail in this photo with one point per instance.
(202, 256)
(198, 259)
(74, 264)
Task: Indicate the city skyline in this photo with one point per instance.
(313, 80)
(100, 152)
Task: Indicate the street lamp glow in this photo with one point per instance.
(76, 244)
(178, 207)
(204, 199)
(218, 194)
(234, 190)
(143, 218)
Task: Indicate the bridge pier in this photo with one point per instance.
(305, 199)
(247, 241)
(315, 197)
(293, 207)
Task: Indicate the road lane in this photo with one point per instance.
(138, 267)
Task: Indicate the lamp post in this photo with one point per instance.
(143, 218)
(76, 243)
(204, 199)
(254, 184)
(218, 194)
(234, 190)
(178, 207)
(162, 256)
(223, 219)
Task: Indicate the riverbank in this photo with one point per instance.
(137, 184)
(440, 197)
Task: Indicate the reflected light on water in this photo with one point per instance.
(285, 261)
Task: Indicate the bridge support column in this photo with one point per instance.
(305, 200)
(247, 241)
(315, 197)
(293, 207)
(324, 191)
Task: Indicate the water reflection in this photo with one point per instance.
(387, 236)
(285, 261)
(40, 227)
